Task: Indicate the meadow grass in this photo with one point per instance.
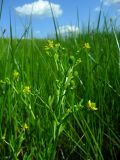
(60, 97)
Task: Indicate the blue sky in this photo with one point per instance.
(64, 10)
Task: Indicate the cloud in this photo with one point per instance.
(115, 3)
(68, 29)
(107, 4)
(97, 9)
(39, 8)
(111, 2)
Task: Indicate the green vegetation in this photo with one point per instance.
(59, 99)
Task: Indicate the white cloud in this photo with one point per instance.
(68, 29)
(39, 8)
(107, 4)
(110, 2)
(97, 9)
(115, 3)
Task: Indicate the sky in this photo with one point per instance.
(38, 14)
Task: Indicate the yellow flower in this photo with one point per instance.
(87, 46)
(92, 105)
(16, 74)
(26, 90)
(50, 44)
(25, 126)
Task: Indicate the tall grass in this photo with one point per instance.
(45, 86)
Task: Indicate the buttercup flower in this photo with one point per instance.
(25, 126)
(50, 45)
(87, 46)
(26, 90)
(92, 105)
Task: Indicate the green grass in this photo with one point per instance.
(45, 87)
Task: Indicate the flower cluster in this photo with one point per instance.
(26, 89)
(50, 45)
